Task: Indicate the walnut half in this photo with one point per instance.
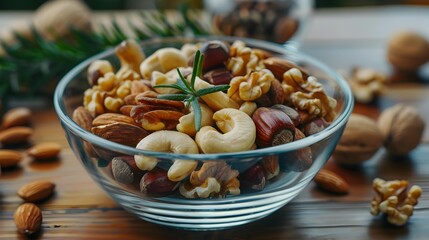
(392, 198)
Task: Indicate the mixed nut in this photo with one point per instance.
(236, 98)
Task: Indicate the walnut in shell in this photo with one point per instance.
(402, 128)
(407, 51)
(361, 139)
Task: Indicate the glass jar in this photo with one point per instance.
(280, 21)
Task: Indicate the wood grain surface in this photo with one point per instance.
(81, 210)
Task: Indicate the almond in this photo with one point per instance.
(15, 135)
(123, 133)
(83, 118)
(28, 218)
(36, 191)
(16, 117)
(46, 150)
(331, 182)
(9, 158)
(108, 118)
(278, 66)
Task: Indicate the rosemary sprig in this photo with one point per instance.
(188, 93)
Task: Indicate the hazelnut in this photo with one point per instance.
(300, 159)
(407, 51)
(125, 170)
(402, 128)
(361, 139)
(314, 126)
(253, 178)
(292, 113)
(156, 182)
(215, 54)
(273, 127)
(218, 76)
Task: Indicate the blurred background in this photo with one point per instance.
(139, 4)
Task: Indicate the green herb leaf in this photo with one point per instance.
(196, 67)
(175, 97)
(183, 80)
(197, 113)
(176, 86)
(190, 96)
(217, 88)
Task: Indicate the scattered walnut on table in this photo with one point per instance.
(366, 83)
(393, 199)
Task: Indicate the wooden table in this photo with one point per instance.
(81, 210)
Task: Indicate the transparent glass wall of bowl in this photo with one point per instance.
(280, 21)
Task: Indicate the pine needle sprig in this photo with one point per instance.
(189, 94)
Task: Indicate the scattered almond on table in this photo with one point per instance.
(15, 129)
(36, 191)
(45, 150)
(331, 182)
(28, 218)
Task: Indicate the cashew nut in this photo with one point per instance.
(130, 54)
(168, 141)
(216, 100)
(98, 69)
(248, 107)
(163, 60)
(170, 77)
(239, 133)
(187, 122)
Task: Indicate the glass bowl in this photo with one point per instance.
(173, 210)
(280, 21)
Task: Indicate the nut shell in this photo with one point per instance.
(361, 139)
(407, 51)
(402, 128)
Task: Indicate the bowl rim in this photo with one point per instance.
(340, 121)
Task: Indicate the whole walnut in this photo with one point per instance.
(407, 51)
(361, 139)
(402, 128)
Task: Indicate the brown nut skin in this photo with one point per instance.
(331, 182)
(36, 191)
(253, 178)
(273, 127)
(218, 76)
(156, 182)
(402, 128)
(15, 135)
(298, 160)
(361, 139)
(292, 113)
(407, 51)
(314, 126)
(125, 170)
(19, 116)
(28, 218)
(215, 54)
